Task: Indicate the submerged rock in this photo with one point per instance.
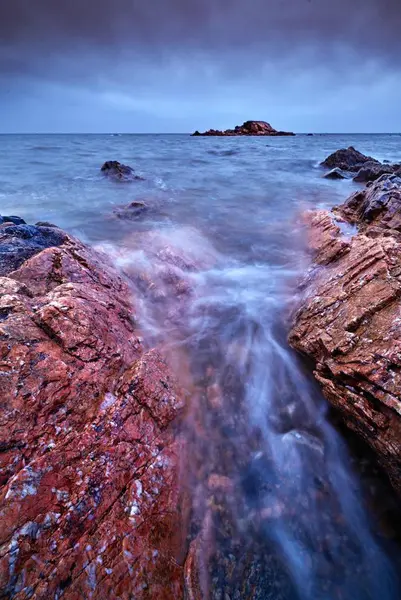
(258, 128)
(348, 321)
(335, 174)
(131, 211)
(89, 494)
(119, 172)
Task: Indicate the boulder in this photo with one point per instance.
(119, 172)
(89, 493)
(347, 159)
(348, 318)
(20, 242)
(253, 128)
(11, 220)
(379, 205)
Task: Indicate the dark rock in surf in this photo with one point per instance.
(131, 211)
(119, 172)
(372, 171)
(335, 174)
(20, 242)
(45, 224)
(348, 159)
(11, 219)
(249, 128)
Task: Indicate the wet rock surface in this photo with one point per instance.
(131, 211)
(4, 220)
(348, 322)
(336, 174)
(349, 162)
(90, 502)
(258, 128)
(372, 171)
(119, 172)
(20, 242)
(347, 159)
(253, 482)
(378, 205)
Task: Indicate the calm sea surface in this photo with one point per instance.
(221, 244)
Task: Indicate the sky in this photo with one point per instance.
(171, 66)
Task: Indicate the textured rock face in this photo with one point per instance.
(372, 171)
(19, 242)
(259, 128)
(379, 204)
(89, 485)
(349, 320)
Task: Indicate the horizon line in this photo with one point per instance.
(118, 133)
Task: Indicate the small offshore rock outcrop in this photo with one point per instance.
(89, 496)
(258, 128)
(119, 172)
(349, 162)
(11, 220)
(349, 318)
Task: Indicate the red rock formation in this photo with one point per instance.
(90, 503)
(349, 319)
(259, 128)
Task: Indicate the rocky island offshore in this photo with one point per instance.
(258, 128)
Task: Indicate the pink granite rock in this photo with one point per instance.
(90, 500)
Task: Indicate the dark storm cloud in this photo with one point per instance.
(36, 33)
(177, 65)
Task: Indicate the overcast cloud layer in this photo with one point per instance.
(177, 65)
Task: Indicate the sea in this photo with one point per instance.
(215, 259)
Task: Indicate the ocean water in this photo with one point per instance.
(214, 264)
